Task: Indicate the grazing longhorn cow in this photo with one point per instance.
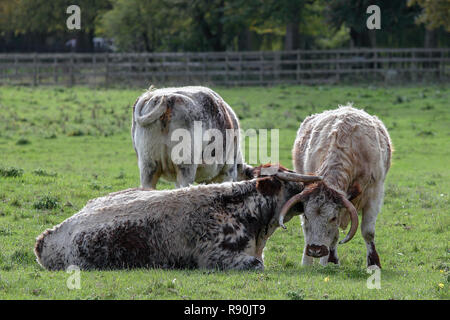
(351, 150)
(158, 117)
(222, 226)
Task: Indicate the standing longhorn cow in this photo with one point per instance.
(351, 150)
(160, 114)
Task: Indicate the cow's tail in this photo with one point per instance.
(153, 115)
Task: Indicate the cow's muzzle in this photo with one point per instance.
(316, 251)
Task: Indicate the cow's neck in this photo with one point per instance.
(268, 224)
(263, 221)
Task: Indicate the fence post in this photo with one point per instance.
(226, 69)
(55, 70)
(277, 66)
(241, 74)
(94, 67)
(375, 64)
(338, 67)
(106, 69)
(71, 75)
(16, 67)
(261, 67)
(35, 70)
(297, 76)
(187, 68)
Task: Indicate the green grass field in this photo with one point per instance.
(60, 147)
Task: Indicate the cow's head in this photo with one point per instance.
(321, 219)
(276, 180)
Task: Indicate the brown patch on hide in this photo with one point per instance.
(228, 122)
(268, 186)
(354, 191)
(216, 106)
(373, 258)
(167, 115)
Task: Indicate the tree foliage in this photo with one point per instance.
(434, 13)
(218, 25)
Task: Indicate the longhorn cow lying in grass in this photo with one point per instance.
(222, 226)
(351, 150)
(165, 118)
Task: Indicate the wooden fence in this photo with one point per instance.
(226, 68)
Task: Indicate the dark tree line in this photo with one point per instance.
(218, 25)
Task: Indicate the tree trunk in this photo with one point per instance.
(291, 41)
(373, 38)
(430, 38)
(218, 38)
(360, 39)
(245, 40)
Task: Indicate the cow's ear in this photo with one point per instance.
(268, 186)
(354, 191)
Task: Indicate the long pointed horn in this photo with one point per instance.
(291, 176)
(353, 218)
(289, 204)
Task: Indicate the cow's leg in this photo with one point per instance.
(306, 260)
(149, 174)
(369, 217)
(185, 175)
(229, 260)
(332, 256)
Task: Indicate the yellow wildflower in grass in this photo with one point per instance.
(441, 285)
(326, 279)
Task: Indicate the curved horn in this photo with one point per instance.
(353, 218)
(289, 204)
(295, 177)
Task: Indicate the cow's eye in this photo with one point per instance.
(333, 219)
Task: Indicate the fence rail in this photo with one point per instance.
(225, 68)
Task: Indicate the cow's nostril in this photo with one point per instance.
(316, 251)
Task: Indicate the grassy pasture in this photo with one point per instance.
(60, 147)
